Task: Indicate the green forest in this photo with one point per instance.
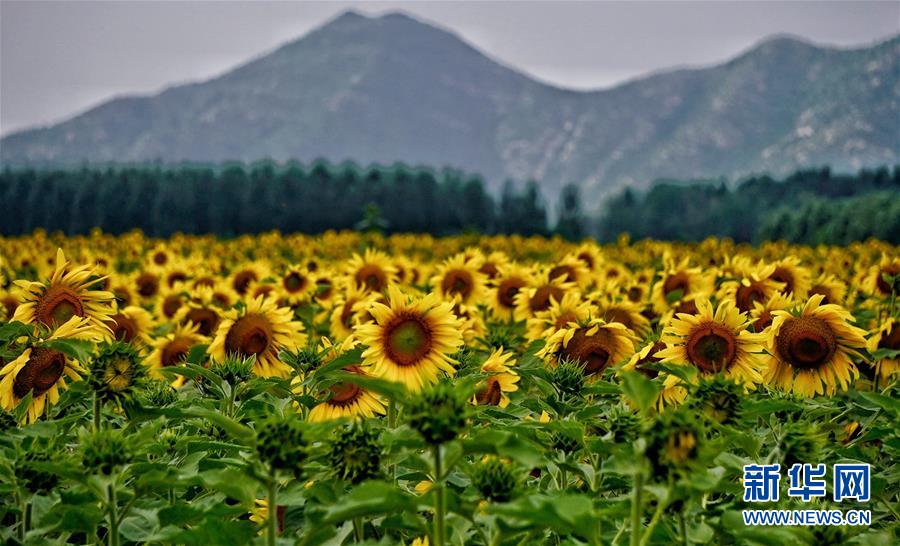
(809, 206)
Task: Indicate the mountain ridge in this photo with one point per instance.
(392, 88)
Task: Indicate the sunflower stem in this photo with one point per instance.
(97, 412)
(439, 532)
(272, 521)
(682, 528)
(113, 516)
(358, 530)
(636, 508)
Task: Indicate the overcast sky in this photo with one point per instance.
(59, 58)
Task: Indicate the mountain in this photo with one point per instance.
(392, 88)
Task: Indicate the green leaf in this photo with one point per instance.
(78, 349)
(639, 389)
(371, 499)
(232, 482)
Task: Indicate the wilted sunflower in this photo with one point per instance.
(507, 281)
(172, 349)
(373, 271)
(411, 339)
(261, 329)
(458, 279)
(131, 325)
(715, 342)
(42, 371)
(68, 293)
(595, 344)
(501, 380)
(886, 337)
(811, 350)
(347, 399)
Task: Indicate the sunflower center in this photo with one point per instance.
(345, 393)
(323, 289)
(489, 269)
(541, 299)
(458, 282)
(294, 282)
(40, 373)
(160, 258)
(123, 327)
(408, 340)
(171, 305)
(57, 305)
(249, 335)
(819, 290)
(783, 275)
(242, 280)
(564, 319)
(763, 321)
(891, 339)
(491, 394)
(635, 293)
(587, 259)
(641, 365)
(891, 271)
(205, 319)
(372, 277)
(619, 315)
(347, 313)
(687, 306)
(806, 342)
(565, 271)
(678, 281)
(711, 347)
(592, 352)
(746, 296)
(175, 351)
(506, 292)
(147, 285)
(176, 277)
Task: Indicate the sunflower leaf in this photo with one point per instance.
(640, 390)
(78, 349)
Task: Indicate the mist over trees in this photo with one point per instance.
(809, 206)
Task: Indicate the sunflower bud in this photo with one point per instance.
(674, 442)
(31, 471)
(800, 444)
(105, 451)
(280, 443)
(235, 370)
(717, 399)
(116, 371)
(438, 414)
(157, 394)
(355, 454)
(496, 480)
(623, 425)
(568, 378)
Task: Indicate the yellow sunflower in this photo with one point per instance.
(410, 341)
(571, 308)
(793, 276)
(622, 311)
(507, 281)
(715, 342)
(350, 308)
(132, 325)
(678, 283)
(811, 350)
(243, 277)
(500, 382)
(571, 269)
(886, 337)
(595, 344)
(295, 285)
(260, 329)
(347, 400)
(373, 271)
(751, 285)
(673, 392)
(42, 371)
(459, 279)
(762, 312)
(540, 297)
(830, 287)
(875, 282)
(172, 349)
(67, 293)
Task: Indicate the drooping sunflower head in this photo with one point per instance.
(459, 279)
(595, 344)
(372, 272)
(262, 330)
(411, 340)
(812, 349)
(714, 342)
(68, 293)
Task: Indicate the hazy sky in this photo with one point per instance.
(59, 58)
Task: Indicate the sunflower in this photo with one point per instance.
(493, 264)
(714, 342)
(594, 344)
(762, 312)
(146, 284)
(42, 371)
(132, 325)
(678, 283)
(876, 281)
(347, 400)
(67, 293)
(373, 271)
(570, 268)
(324, 284)
(508, 280)
(750, 286)
(811, 349)
(793, 276)
(473, 326)
(540, 296)
(571, 308)
(500, 382)
(243, 277)
(169, 302)
(172, 349)
(622, 311)
(832, 289)
(350, 308)
(203, 309)
(672, 392)
(261, 329)
(295, 285)
(410, 340)
(459, 279)
(886, 337)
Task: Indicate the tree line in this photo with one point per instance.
(809, 206)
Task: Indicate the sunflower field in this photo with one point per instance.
(351, 388)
